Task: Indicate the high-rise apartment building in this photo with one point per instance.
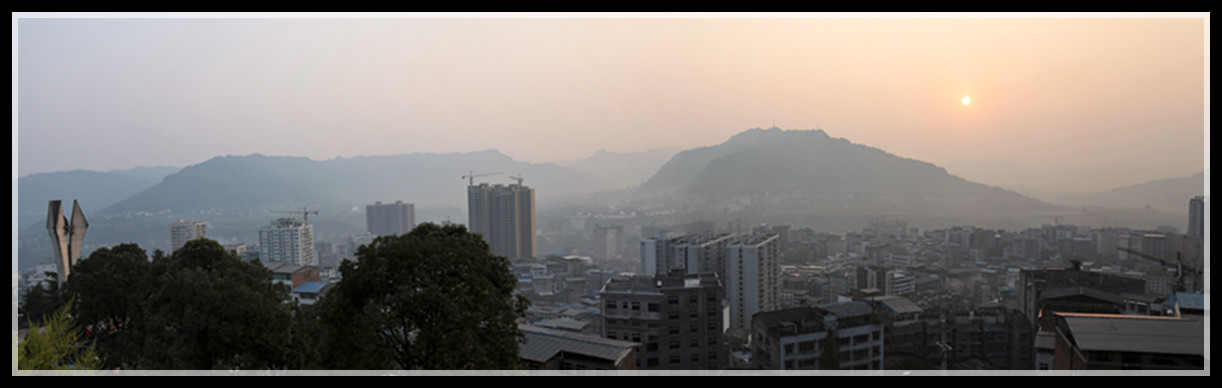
(391, 219)
(505, 217)
(1196, 217)
(752, 277)
(183, 231)
(677, 318)
(287, 240)
(692, 254)
(608, 242)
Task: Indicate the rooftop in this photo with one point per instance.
(543, 344)
(1140, 334)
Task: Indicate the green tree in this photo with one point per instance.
(433, 299)
(42, 300)
(204, 308)
(109, 287)
(56, 345)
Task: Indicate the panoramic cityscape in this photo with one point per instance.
(611, 194)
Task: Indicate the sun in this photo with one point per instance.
(967, 100)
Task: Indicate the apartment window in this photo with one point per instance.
(675, 359)
(654, 307)
(693, 314)
(673, 330)
(695, 343)
(652, 347)
(672, 300)
(694, 328)
(674, 344)
(695, 358)
(612, 335)
(653, 362)
(636, 306)
(788, 349)
(713, 341)
(693, 300)
(673, 315)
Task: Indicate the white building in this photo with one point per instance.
(752, 277)
(183, 231)
(287, 240)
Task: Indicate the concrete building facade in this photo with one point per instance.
(844, 336)
(392, 219)
(505, 217)
(183, 231)
(678, 319)
(752, 279)
(287, 240)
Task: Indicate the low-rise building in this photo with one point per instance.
(548, 349)
(844, 336)
(1128, 342)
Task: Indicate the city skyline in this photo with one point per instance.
(328, 87)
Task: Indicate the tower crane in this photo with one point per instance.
(1181, 269)
(518, 178)
(472, 175)
(305, 213)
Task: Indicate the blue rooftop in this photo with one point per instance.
(311, 288)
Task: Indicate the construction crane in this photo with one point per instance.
(1180, 268)
(518, 178)
(472, 175)
(305, 213)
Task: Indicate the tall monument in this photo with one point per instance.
(67, 236)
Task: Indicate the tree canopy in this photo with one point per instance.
(200, 308)
(436, 298)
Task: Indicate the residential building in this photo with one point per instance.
(287, 240)
(549, 349)
(1073, 290)
(309, 293)
(608, 242)
(1128, 342)
(183, 231)
(390, 219)
(1196, 217)
(677, 318)
(293, 275)
(850, 333)
(505, 217)
(752, 279)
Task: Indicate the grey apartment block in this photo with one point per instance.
(677, 319)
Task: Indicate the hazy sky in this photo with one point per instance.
(113, 93)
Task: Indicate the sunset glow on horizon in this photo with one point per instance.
(546, 89)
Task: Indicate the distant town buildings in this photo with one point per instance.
(287, 240)
(390, 219)
(608, 242)
(183, 231)
(505, 217)
(692, 254)
(1196, 217)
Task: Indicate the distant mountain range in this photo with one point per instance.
(238, 194)
(1171, 195)
(94, 189)
(622, 170)
(812, 164)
